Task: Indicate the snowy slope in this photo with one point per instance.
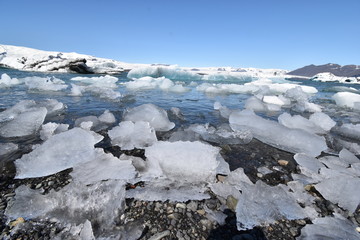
(29, 59)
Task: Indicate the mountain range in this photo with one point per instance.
(336, 69)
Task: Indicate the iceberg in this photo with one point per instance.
(262, 204)
(156, 116)
(183, 161)
(62, 151)
(276, 135)
(347, 99)
(7, 81)
(172, 73)
(162, 83)
(45, 84)
(129, 135)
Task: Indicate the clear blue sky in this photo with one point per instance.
(251, 33)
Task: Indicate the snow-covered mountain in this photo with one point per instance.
(337, 70)
(29, 59)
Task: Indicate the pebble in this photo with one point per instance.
(220, 178)
(231, 202)
(192, 206)
(283, 162)
(38, 186)
(358, 229)
(201, 211)
(180, 205)
(17, 221)
(159, 236)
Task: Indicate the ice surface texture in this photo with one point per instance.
(273, 133)
(156, 116)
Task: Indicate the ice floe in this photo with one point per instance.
(7, 81)
(347, 99)
(273, 133)
(152, 83)
(156, 116)
(45, 84)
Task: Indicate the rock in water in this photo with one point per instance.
(156, 116)
(60, 152)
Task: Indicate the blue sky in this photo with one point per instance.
(284, 34)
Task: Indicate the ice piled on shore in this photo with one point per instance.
(156, 116)
(74, 203)
(49, 129)
(183, 161)
(274, 134)
(23, 119)
(129, 135)
(349, 130)
(328, 227)
(279, 204)
(347, 99)
(162, 83)
(60, 152)
(97, 123)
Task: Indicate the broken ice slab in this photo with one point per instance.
(6, 81)
(276, 135)
(103, 167)
(332, 228)
(129, 135)
(349, 130)
(348, 157)
(310, 163)
(156, 116)
(7, 148)
(262, 204)
(74, 203)
(299, 122)
(183, 161)
(165, 190)
(344, 191)
(60, 152)
(45, 83)
(50, 128)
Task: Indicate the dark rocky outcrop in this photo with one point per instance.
(338, 70)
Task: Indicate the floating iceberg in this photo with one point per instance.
(276, 135)
(102, 81)
(156, 116)
(60, 152)
(172, 73)
(129, 135)
(45, 84)
(183, 161)
(262, 204)
(153, 83)
(347, 99)
(7, 81)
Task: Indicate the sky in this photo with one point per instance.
(285, 34)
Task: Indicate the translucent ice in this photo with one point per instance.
(49, 129)
(62, 151)
(263, 204)
(129, 135)
(349, 130)
(45, 84)
(7, 148)
(152, 83)
(73, 204)
(344, 191)
(103, 167)
(7, 81)
(331, 228)
(107, 117)
(346, 99)
(102, 81)
(274, 134)
(183, 161)
(156, 116)
(163, 71)
(348, 157)
(299, 122)
(98, 123)
(308, 162)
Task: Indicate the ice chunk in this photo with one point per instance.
(183, 161)
(49, 129)
(107, 117)
(106, 81)
(62, 151)
(45, 84)
(73, 204)
(173, 73)
(299, 122)
(156, 116)
(7, 81)
(263, 204)
(277, 100)
(274, 134)
(349, 130)
(152, 83)
(346, 99)
(172, 191)
(224, 111)
(53, 106)
(348, 157)
(334, 189)
(300, 101)
(310, 163)
(25, 123)
(329, 228)
(76, 90)
(103, 167)
(129, 135)
(322, 120)
(7, 148)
